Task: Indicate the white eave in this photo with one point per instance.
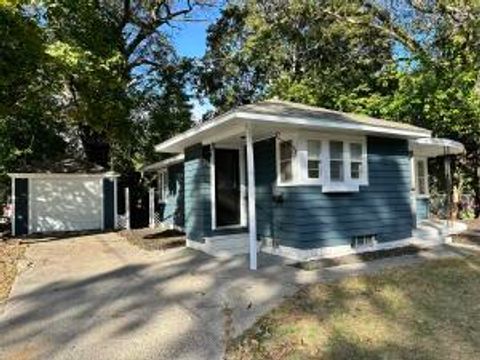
(47, 175)
(164, 163)
(236, 120)
(433, 147)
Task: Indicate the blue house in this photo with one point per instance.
(297, 181)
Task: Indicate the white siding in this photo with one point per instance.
(65, 204)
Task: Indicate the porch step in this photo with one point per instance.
(437, 230)
(227, 245)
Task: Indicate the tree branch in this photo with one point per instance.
(385, 26)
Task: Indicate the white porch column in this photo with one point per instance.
(252, 219)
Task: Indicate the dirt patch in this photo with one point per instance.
(473, 225)
(11, 252)
(471, 236)
(154, 239)
(358, 258)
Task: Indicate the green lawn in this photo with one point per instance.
(431, 311)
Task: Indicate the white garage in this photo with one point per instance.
(49, 202)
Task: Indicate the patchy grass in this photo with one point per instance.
(358, 258)
(431, 311)
(154, 239)
(10, 252)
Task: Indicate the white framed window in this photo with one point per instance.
(286, 157)
(162, 185)
(356, 161)
(336, 162)
(421, 179)
(314, 161)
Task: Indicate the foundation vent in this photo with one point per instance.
(363, 241)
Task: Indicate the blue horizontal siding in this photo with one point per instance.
(174, 208)
(197, 192)
(308, 218)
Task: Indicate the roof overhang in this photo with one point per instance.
(164, 163)
(235, 122)
(109, 174)
(433, 147)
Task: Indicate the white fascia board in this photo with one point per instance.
(61, 175)
(168, 144)
(164, 163)
(334, 125)
(175, 144)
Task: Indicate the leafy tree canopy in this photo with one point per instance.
(93, 79)
(415, 61)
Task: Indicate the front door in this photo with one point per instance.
(227, 187)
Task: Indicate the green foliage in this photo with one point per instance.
(91, 79)
(297, 52)
(29, 128)
(410, 61)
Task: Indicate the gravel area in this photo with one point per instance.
(11, 251)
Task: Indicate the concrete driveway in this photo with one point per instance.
(98, 297)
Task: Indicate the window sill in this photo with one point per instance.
(340, 188)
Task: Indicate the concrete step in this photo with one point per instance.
(227, 245)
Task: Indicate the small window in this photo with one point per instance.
(336, 161)
(363, 240)
(162, 186)
(286, 161)
(314, 159)
(356, 161)
(422, 178)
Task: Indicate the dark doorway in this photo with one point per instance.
(227, 187)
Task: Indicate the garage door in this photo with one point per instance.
(65, 204)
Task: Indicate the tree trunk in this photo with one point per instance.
(96, 146)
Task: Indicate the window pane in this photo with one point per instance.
(422, 189)
(314, 149)
(336, 170)
(420, 168)
(286, 171)
(356, 151)
(336, 150)
(285, 150)
(356, 170)
(313, 169)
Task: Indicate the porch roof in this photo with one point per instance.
(176, 159)
(272, 114)
(433, 147)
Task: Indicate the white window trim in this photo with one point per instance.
(425, 169)
(295, 163)
(300, 161)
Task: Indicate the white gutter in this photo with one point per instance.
(61, 175)
(295, 121)
(164, 163)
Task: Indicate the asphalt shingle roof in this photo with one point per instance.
(291, 109)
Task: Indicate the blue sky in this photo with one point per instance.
(189, 39)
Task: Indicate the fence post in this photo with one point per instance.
(127, 208)
(151, 208)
